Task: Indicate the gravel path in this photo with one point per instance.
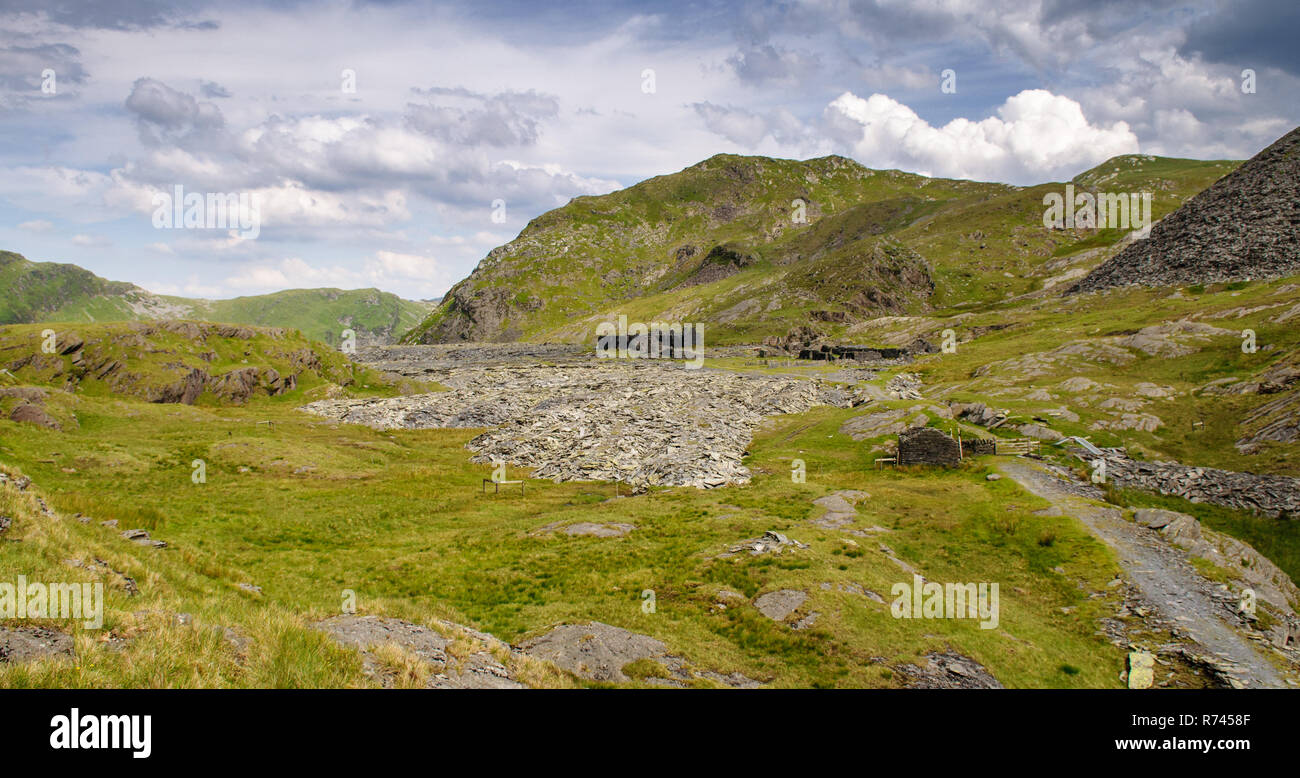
(1161, 573)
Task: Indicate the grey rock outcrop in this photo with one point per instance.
(479, 670)
(600, 652)
(950, 670)
(27, 644)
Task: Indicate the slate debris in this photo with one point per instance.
(645, 423)
(771, 542)
(480, 670)
(1245, 226)
(1269, 495)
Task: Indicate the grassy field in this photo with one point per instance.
(306, 509)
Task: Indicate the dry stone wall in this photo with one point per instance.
(927, 446)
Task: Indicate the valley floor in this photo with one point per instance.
(320, 553)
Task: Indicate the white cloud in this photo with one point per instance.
(91, 241)
(414, 276)
(1036, 136)
(76, 195)
(38, 225)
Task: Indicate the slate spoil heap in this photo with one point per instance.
(1244, 227)
(643, 423)
(1275, 496)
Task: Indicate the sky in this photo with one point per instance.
(393, 144)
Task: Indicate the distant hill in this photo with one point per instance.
(721, 243)
(47, 291)
(172, 361)
(1244, 227)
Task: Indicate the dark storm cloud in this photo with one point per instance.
(468, 118)
(770, 64)
(105, 14)
(1248, 34)
(21, 66)
(1102, 17)
(213, 90)
(891, 23)
(168, 116)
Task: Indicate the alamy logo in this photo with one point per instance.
(214, 211)
(101, 731)
(1103, 210)
(23, 600)
(929, 600)
(656, 340)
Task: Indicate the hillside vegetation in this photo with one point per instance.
(726, 243)
(50, 292)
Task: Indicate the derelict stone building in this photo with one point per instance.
(927, 446)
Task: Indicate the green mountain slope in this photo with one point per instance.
(322, 313)
(665, 236)
(50, 292)
(32, 291)
(717, 244)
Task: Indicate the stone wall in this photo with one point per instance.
(868, 353)
(927, 446)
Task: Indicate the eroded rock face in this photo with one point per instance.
(1278, 419)
(31, 406)
(892, 422)
(780, 604)
(1175, 339)
(30, 413)
(593, 529)
(1144, 422)
(600, 652)
(839, 508)
(595, 651)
